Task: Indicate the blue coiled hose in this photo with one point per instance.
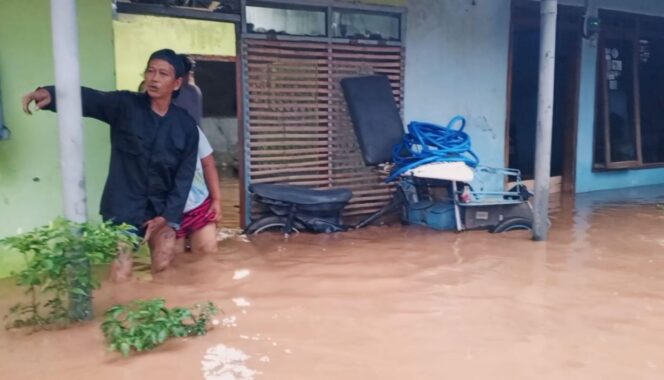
(426, 143)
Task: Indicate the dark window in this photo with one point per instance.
(619, 77)
(280, 20)
(364, 25)
(651, 72)
(629, 128)
(352, 22)
(216, 80)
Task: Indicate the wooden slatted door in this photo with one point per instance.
(298, 130)
(370, 192)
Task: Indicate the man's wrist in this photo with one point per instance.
(166, 222)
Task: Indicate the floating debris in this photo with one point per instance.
(241, 302)
(224, 233)
(226, 363)
(241, 273)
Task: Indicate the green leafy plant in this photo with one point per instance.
(57, 268)
(143, 325)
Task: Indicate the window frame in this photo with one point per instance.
(328, 6)
(344, 9)
(285, 6)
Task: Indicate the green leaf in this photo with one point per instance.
(179, 331)
(114, 312)
(163, 334)
(124, 349)
(78, 291)
(47, 264)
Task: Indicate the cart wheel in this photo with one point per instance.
(273, 224)
(513, 224)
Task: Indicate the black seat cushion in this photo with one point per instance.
(301, 195)
(375, 116)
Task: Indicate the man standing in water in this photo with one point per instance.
(153, 156)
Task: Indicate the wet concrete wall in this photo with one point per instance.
(456, 64)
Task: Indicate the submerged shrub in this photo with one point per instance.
(144, 325)
(58, 258)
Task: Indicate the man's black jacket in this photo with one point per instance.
(153, 157)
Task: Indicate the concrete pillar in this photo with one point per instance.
(64, 25)
(68, 92)
(549, 13)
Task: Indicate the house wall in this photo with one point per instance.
(138, 36)
(456, 64)
(30, 187)
(586, 179)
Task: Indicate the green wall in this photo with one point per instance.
(30, 187)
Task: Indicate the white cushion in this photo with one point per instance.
(450, 171)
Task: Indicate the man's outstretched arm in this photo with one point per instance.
(103, 106)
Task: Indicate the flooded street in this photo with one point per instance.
(396, 303)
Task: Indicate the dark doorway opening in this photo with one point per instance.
(216, 76)
(524, 74)
(217, 81)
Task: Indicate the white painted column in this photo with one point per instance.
(70, 126)
(68, 94)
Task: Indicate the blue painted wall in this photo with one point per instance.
(456, 63)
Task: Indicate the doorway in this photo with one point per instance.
(523, 94)
(217, 78)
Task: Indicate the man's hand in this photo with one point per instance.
(214, 214)
(152, 225)
(41, 97)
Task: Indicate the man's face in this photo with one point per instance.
(160, 80)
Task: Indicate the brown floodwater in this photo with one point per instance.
(397, 303)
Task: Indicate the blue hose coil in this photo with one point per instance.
(426, 143)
